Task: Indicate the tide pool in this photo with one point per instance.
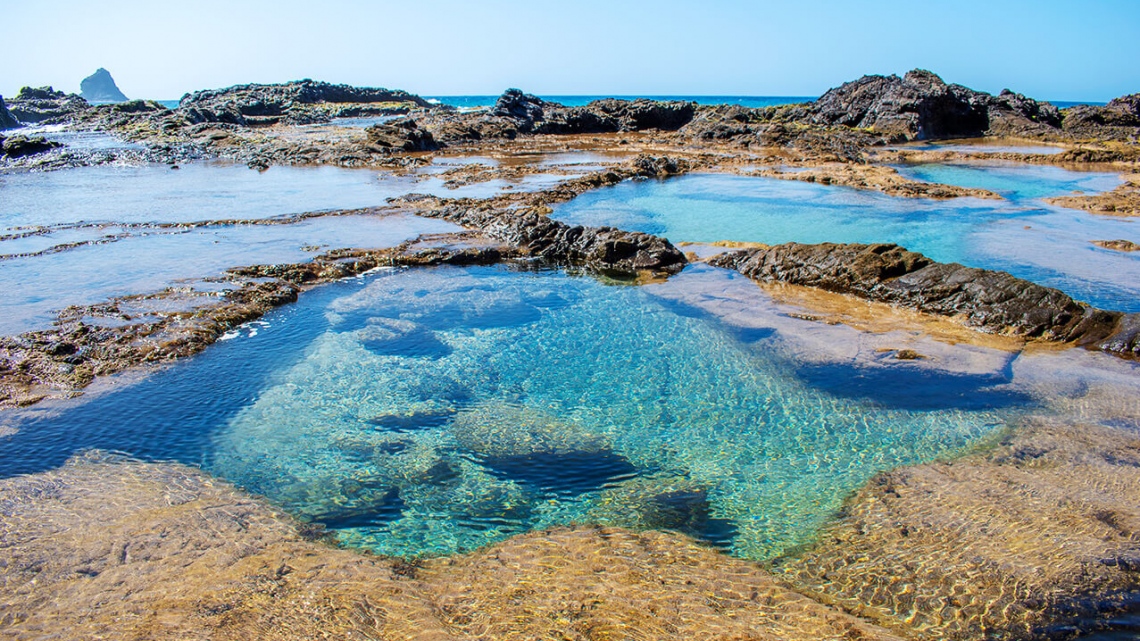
(432, 411)
(1021, 235)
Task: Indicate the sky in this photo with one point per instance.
(1047, 49)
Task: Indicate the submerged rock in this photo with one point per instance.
(7, 120)
(1038, 539)
(100, 87)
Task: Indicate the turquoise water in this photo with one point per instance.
(437, 410)
(1021, 235)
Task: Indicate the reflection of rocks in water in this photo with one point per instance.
(1036, 539)
(663, 503)
(114, 549)
(389, 337)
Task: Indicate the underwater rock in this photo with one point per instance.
(662, 503)
(7, 120)
(1039, 538)
(498, 429)
(393, 337)
(100, 87)
(46, 105)
(106, 547)
(990, 301)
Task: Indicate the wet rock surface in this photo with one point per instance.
(990, 301)
(46, 105)
(13, 147)
(110, 547)
(7, 120)
(1122, 201)
(100, 87)
(1038, 539)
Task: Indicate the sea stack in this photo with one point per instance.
(100, 87)
(7, 120)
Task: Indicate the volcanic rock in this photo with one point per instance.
(100, 87)
(990, 301)
(920, 105)
(298, 102)
(7, 120)
(46, 105)
(402, 135)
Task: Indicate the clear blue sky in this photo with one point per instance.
(1051, 49)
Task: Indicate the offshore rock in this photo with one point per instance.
(297, 102)
(7, 120)
(46, 105)
(100, 87)
(990, 301)
(401, 135)
(920, 105)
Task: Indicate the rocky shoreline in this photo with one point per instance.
(986, 546)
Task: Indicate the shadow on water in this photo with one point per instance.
(172, 413)
(912, 387)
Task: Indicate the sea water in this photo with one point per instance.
(1020, 234)
(432, 411)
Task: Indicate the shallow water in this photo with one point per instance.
(1021, 235)
(437, 410)
(149, 260)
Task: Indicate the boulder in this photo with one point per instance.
(7, 120)
(402, 134)
(21, 146)
(100, 87)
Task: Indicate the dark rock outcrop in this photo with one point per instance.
(402, 134)
(21, 146)
(100, 87)
(7, 120)
(990, 301)
(1119, 119)
(46, 105)
(298, 102)
(920, 105)
(516, 113)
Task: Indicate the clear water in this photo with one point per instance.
(149, 260)
(1022, 235)
(437, 410)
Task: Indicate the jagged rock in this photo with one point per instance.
(990, 301)
(46, 105)
(1119, 119)
(100, 87)
(298, 102)
(403, 135)
(21, 146)
(7, 120)
(921, 105)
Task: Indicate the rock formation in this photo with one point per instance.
(298, 102)
(21, 146)
(990, 301)
(7, 120)
(46, 105)
(401, 135)
(100, 87)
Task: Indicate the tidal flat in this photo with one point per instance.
(632, 369)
